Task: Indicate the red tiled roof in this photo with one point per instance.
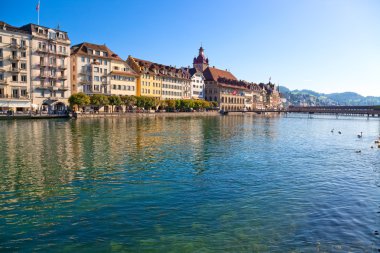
(212, 74)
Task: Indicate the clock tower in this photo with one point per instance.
(200, 62)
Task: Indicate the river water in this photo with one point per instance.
(190, 184)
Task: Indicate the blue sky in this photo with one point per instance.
(323, 45)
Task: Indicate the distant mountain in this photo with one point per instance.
(312, 98)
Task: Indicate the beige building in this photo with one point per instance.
(14, 69)
(91, 66)
(123, 78)
(49, 68)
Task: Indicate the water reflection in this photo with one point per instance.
(235, 183)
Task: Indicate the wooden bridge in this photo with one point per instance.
(368, 111)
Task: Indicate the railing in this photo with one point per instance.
(63, 77)
(63, 67)
(43, 75)
(3, 82)
(14, 45)
(14, 58)
(42, 50)
(13, 69)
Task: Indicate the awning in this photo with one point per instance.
(15, 103)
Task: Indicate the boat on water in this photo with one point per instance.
(223, 112)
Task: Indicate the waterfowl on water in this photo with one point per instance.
(332, 130)
(360, 135)
(339, 132)
(358, 151)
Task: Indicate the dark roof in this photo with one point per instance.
(9, 27)
(162, 70)
(31, 28)
(81, 49)
(212, 74)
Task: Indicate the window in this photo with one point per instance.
(97, 53)
(1, 52)
(96, 69)
(105, 54)
(60, 49)
(15, 93)
(1, 76)
(1, 39)
(23, 65)
(96, 78)
(14, 78)
(90, 51)
(105, 62)
(100, 61)
(23, 92)
(23, 79)
(64, 49)
(23, 54)
(1, 64)
(82, 59)
(14, 41)
(88, 60)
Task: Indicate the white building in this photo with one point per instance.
(197, 85)
(14, 69)
(49, 60)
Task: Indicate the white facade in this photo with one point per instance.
(14, 69)
(93, 75)
(50, 68)
(197, 86)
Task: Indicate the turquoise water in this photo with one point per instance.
(191, 184)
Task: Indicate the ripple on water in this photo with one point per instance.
(207, 184)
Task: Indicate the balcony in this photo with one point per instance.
(14, 45)
(14, 69)
(62, 67)
(63, 77)
(42, 50)
(62, 54)
(43, 75)
(52, 65)
(53, 77)
(4, 82)
(22, 70)
(42, 65)
(14, 58)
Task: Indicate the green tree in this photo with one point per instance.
(99, 100)
(114, 100)
(129, 100)
(79, 99)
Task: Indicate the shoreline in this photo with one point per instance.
(124, 115)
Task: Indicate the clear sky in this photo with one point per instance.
(323, 45)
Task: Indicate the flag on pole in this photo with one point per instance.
(38, 6)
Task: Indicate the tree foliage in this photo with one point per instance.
(79, 99)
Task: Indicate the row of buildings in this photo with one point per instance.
(40, 70)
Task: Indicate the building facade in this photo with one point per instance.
(14, 69)
(123, 79)
(197, 84)
(49, 67)
(148, 82)
(91, 68)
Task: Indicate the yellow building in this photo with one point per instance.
(149, 82)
